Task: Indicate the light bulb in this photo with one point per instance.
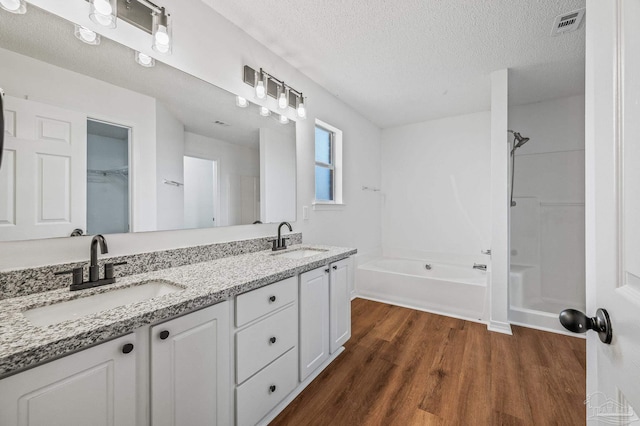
(283, 119)
(102, 13)
(11, 5)
(145, 60)
(86, 35)
(162, 37)
(264, 111)
(282, 100)
(260, 91)
(103, 7)
(302, 111)
(241, 102)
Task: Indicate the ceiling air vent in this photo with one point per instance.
(567, 22)
(221, 123)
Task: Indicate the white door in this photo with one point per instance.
(613, 207)
(340, 303)
(43, 178)
(314, 320)
(96, 386)
(190, 369)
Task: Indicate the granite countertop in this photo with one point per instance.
(23, 344)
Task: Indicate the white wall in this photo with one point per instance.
(197, 29)
(435, 179)
(170, 166)
(233, 161)
(548, 226)
(24, 76)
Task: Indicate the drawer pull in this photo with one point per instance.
(272, 339)
(127, 348)
(327, 270)
(272, 299)
(335, 268)
(272, 388)
(164, 334)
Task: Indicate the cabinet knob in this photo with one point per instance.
(273, 339)
(272, 299)
(272, 388)
(127, 348)
(334, 267)
(164, 334)
(327, 270)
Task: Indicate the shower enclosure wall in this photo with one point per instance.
(547, 237)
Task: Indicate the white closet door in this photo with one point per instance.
(43, 177)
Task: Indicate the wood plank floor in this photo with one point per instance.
(406, 367)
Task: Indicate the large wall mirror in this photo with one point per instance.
(97, 143)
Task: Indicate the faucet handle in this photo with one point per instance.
(76, 272)
(275, 243)
(284, 242)
(108, 269)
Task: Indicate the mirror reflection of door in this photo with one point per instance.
(107, 178)
(200, 193)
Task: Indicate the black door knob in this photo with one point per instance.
(577, 322)
(127, 348)
(273, 339)
(164, 334)
(272, 388)
(272, 299)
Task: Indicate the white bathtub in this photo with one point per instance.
(447, 289)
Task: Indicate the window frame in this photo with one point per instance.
(330, 165)
(337, 169)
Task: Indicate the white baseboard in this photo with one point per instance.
(285, 402)
(500, 327)
(417, 308)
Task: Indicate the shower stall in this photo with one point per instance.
(547, 237)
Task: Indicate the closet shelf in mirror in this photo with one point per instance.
(172, 182)
(122, 171)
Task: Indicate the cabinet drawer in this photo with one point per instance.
(265, 341)
(256, 303)
(266, 389)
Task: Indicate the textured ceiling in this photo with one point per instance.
(194, 102)
(406, 61)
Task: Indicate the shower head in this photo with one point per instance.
(518, 140)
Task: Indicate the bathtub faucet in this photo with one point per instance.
(480, 266)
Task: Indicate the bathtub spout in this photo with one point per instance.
(480, 266)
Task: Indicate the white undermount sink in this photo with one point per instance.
(300, 254)
(76, 308)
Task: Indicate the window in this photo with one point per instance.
(328, 164)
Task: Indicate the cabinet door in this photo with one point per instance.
(314, 320)
(340, 303)
(95, 387)
(190, 369)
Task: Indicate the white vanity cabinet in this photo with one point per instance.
(325, 313)
(96, 386)
(266, 341)
(190, 369)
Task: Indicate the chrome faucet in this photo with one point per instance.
(94, 269)
(281, 243)
(480, 266)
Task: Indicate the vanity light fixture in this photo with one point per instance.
(283, 119)
(86, 35)
(267, 85)
(18, 7)
(241, 102)
(145, 60)
(264, 111)
(104, 12)
(302, 110)
(161, 31)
